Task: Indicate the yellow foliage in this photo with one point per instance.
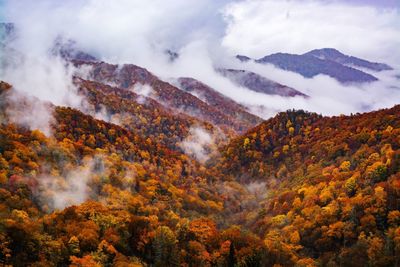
(20, 215)
(3, 177)
(246, 143)
(345, 166)
(351, 185)
(279, 220)
(294, 237)
(291, 131)
(394, 218)
(285, 149)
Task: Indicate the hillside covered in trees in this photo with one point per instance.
(115, 184)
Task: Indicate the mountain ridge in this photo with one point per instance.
(327, 61)
(290, 191)
(258, 83)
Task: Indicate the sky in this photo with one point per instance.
(257, 28)
(208, 34)
(376, 3)
(367, 28)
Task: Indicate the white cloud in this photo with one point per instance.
(139, 32)
(198, 144)
(28, 112)
(47, 77)
(122, 31)
(144, 91)
(72, 189)
(260, 27)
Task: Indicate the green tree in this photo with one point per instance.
(165, 249)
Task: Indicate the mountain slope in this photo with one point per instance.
(7, 31)
(304, 131)
(98, 194)
(68, 50)
(224, 104)
(335, 55)
(310, 66)
(299, 189)
(129, 76)
(333, 185)
(143, 115)
(258, 83)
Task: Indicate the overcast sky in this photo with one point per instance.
(377, 3)
(367, 28)
(257, 28)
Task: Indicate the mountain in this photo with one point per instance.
(310, 66)
(258, 83)
(336, 56)
(7, 31)
(105, 195)
(327, 61)
(68, 50)
(299, 189)
(128, 76)
(243, 58)
(333, 184)
(224, 104)
(141, 114)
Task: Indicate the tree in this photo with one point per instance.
(165, 248)
(231, 256)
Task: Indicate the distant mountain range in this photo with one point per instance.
(143, 171)
(213, 98)
(327, 61)
(6, 30)
(211, 107)
(335, 55)
(258, 83)
(68, 49)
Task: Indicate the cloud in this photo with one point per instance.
(328, 96)
(198, 144)
(39, 78)
(47, 77)
(38, 81)
(144, 91)
(29, 112)
(59, 192)
(257, 188)
(120, 31)
(206, 34)
(260, 27)
(380, 4)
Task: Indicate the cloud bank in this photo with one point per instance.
(198, 144)
(261, 27)
(58, 192)
(207, 34)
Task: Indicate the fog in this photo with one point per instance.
(58, 192)
(207, 35)
(259, 27)
(198, 144)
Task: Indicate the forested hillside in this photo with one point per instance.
(333, 186)
(299, 189)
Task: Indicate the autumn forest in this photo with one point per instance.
(299, 189)
(190, 133)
